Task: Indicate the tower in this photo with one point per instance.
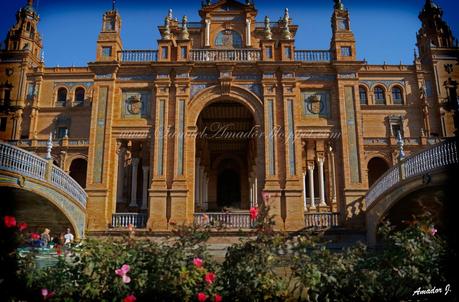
(109, 40)
(439, 54)
(434, 33)
(24, 35)
(343, 40)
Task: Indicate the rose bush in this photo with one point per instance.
(270, 267)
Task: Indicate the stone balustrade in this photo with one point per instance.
(233, 220)
(19, 161)
(437, 156)
(223, 55)
(138, 55)
(313, 55)
(123, 220)
(322, 220)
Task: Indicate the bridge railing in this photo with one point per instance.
(437, 156)
(19, 161)
(233, 220)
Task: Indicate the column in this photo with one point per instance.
(201, 189)
(206, 194)
(311, 184)
(247, 33)
(207, 42)
(333, 174)
(255, 192)
(135, 165)
(121, 163)
(320, 161)
(145, 170)
(197, 200)
(304, 192)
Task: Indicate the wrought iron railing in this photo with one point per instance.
(313, 55)
(138, 55)
(233, 220)
(437, 156)
(19, 161)
(212, 55)
(123, 220)
(322, 220)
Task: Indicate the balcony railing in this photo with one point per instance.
(313, 55)
(437, 156)
(322, 220)
(123, 220)
(138, 55)
(237, 220)
(212, 55)
(17, 160)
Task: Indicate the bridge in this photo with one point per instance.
(416, 185)
(40, 193)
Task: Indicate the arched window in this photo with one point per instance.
(229, 39)
(380, 98)
(397, 96)
(28, 26)
(62, 96)
(79, 95)
(363, 95)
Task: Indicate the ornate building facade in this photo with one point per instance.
(225, 111)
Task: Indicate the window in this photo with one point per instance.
(342, 24)
(3, 122)
(397, 97)
(346, 51)
(109, 24)
(395, 125)
(183, 52)
(28, 26)
(228, 39)
(363, 95)
(164, 52)
(62, 97)
(380, 98)
(288, 52)
(107, 51)
(79, 95)
(62, 132)
(269, 52)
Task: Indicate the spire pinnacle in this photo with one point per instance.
(339, 5)
(113, 4)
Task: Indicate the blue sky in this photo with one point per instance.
(385, 30)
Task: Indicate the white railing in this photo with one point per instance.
(234, 220)
(67, 184)
(123, 220)
(437, 156)
(138, 55)
(19, 161)
(313, 55)
(211, 55)
(323, 220)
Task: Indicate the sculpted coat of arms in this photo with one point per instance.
(134, 104)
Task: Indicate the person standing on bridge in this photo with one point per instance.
(68, 237)
(45, 238)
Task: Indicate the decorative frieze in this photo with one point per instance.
(255, 88)
(315, 77)
(148, 77)
(195, 88)
(344, 76)
(74, 84)
(385, 83)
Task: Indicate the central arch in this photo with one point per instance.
(232, 164)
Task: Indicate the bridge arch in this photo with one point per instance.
(425, 171)
(23, 171)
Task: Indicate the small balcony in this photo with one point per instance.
(313, 55)
(321, 220)
(231, 220)
(123, 220)
(138, 55)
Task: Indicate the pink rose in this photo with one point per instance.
(210, 277)
(202, 297)
(10, 221)
(197, 262)
(253, 213)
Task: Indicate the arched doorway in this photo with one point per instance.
(78, 169)
(376, 168)
(226, 150)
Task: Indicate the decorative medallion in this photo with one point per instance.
(134, 104)
(315, 104)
